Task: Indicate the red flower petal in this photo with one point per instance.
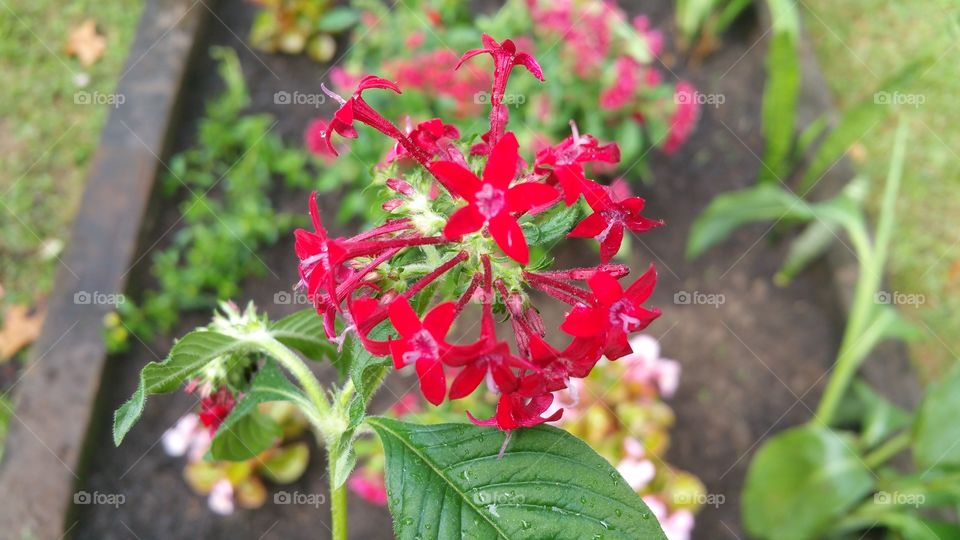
(404, 318)
(611, 243)
(372, 81)
(438, 320)
(605, 287)
(397, 349)
(583, 321)
(573, 182)
(433, 383)
(523, 197)
(642, 288)
(467, 380)
(464, 221)
(531, 64)
(591, 226)
(456, 179)
(508, 235)
(501, 166)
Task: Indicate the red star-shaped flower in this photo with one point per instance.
(608, 220)
(564, 162)
(423, 344)
(505, 57)
(356, 108)
(492, 201)
(319, 254)
(614, 313)
(515, 411)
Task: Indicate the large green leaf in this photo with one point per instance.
(246, 432)
(304, 332)
(188, 356)
(729, 211)
(447, 481)
(800, 481)
(936, 437)
(913, 527)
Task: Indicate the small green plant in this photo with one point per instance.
(834, 476)
(227, 214)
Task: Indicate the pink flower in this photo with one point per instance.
(676, 525)
(624, 88)
(644, 365)
(370, 487)
(491, 202)
(684, 117)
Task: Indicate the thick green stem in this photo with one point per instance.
(338, 498)
(289, 360)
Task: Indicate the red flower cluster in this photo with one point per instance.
(463, 220)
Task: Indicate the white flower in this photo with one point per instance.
(220, 500)
(176, 440)
(646, 366)
(637, 472)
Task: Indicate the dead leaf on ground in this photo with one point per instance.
(85, 43)
(20, 328)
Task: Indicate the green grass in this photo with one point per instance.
(46, 139)
(858, 44)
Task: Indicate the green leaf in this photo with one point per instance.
(936, 430)
(366, 372)
(338, 19)
(552, 226)
(807, 247)
(800, 481)
(729, 211)
(913, 527)
(187, 357)
(876, 417)
(304, 332)
(245, 438)
(857, 121)
(780, 104)
(287, 464)
(246, 432)
(446, 481)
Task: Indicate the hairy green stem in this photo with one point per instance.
(338, 499)
(289, 360)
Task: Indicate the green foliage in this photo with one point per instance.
(226, 215)
(447, 481)
(937, 431)
(730, 211)
(800, 481)
(781, 91)
(858, 120)
(246, 432)
(189, 355)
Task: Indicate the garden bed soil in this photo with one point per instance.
(752, 365)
